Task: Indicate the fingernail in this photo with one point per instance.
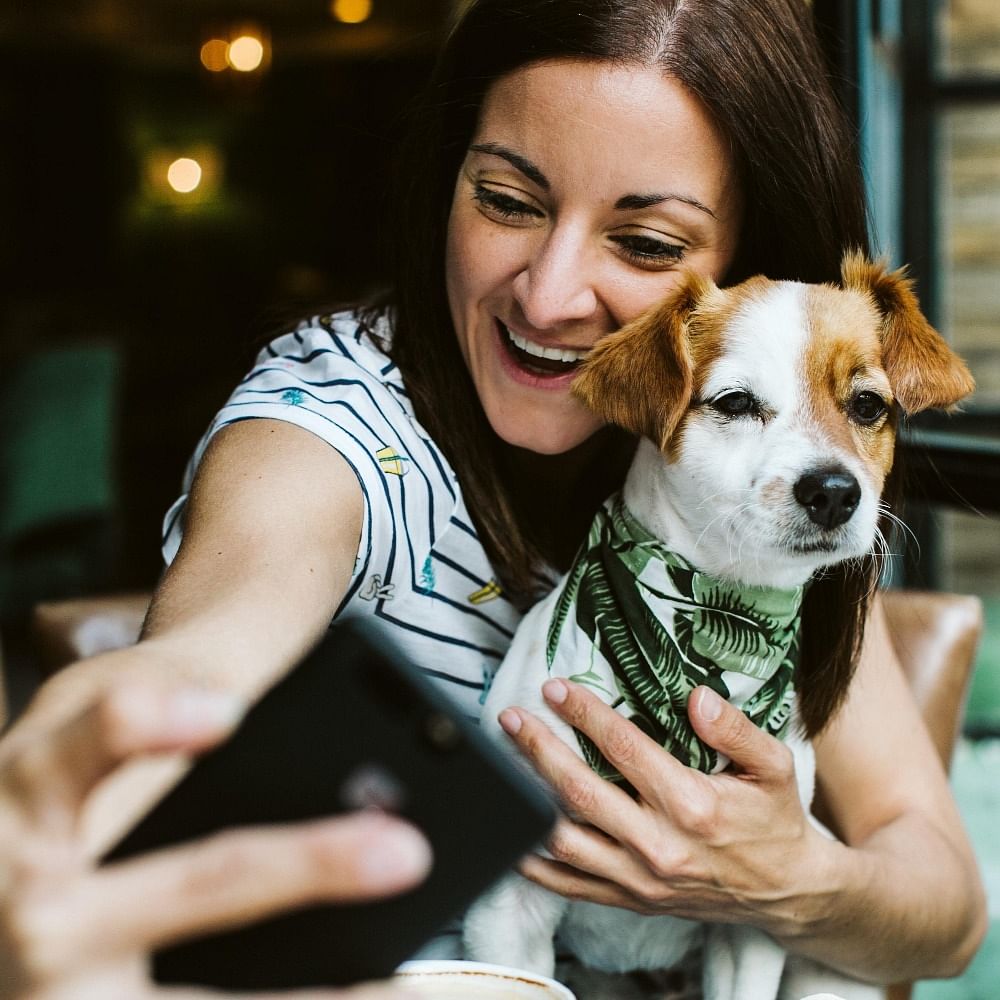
(709, 705)
(555, 691)
(510, 721)
(396, 852)
(198, 709)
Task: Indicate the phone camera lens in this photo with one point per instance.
(441, 732)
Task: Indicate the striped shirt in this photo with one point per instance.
(421, 572)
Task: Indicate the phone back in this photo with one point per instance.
(352, 725)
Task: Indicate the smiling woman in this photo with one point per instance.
(549, 251)
(419, 463)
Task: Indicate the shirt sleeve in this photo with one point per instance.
(339, 387)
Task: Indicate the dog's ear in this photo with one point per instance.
(923, 370)
(641, 377)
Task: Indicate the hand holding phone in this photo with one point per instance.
(351, 726)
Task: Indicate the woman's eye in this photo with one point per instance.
(504, 206)
(867, 407)
(735, 404)
(647, 250)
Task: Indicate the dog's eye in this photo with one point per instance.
(867, 407)
(735, 404)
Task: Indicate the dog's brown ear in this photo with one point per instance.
(641, 377)
(923, 370)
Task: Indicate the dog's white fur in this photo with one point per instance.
(723, 500)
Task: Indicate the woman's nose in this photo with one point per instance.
(554, 287)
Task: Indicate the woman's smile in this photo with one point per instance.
(548, 250)
(546, 366)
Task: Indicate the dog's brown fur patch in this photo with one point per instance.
(641, 377)
(842, 358)
(923, 370)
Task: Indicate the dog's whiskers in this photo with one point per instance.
(905, 530)
(728, 492)
(724, 515)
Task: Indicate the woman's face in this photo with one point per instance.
(586, 190)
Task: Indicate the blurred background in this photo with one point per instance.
(181, 178)
(178, 178)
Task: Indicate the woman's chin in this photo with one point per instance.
(544, 440)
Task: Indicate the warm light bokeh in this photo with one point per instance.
(246, 53)
(184, 175)
(214, 55)
(351, 11)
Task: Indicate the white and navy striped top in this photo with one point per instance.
(421, 571)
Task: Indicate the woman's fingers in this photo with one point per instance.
(582, 792)
(644, 763)
(228, 880)
(726, 729)
(57, 773)
(588, 850)
(573, 883)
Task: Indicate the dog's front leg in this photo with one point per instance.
(741, 963)
(804, 977)
(514, 924)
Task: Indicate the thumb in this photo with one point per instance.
(726, 729)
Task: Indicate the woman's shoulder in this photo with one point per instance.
(344, 339)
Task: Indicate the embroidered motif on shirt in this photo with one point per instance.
(427, 574)
(392, 462)
(489, 592)
(293, 397)
(375, 589)
(489, 673)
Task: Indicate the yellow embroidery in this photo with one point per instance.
(392, 462)
(488, 593)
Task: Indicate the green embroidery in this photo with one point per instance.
(658, 628)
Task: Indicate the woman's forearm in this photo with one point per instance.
(905, 904)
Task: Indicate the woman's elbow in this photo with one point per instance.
(969, 933)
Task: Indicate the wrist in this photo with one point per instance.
(818, 883)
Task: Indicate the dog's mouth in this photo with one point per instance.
(824, 545)
(542, 361)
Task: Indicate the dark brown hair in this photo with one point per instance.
(757, 68)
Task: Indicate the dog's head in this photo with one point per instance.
(775, 404)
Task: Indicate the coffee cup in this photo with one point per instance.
(450, 980)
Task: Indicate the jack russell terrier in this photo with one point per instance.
(766, 414)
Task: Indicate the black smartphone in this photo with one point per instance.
(352, 725)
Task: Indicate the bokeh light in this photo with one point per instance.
(246, 53)
(184, 175)
(214, 55)
(351, 11)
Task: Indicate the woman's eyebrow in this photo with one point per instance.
(517, 161)
(630, 202)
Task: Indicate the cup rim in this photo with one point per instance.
(430, 966)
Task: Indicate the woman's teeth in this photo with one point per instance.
(549, 353)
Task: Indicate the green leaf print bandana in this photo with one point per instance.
(650, 628)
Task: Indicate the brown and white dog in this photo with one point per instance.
(767, 415)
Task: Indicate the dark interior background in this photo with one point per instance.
(182, 293)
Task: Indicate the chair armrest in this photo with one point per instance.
(935, 637)
(65, 631)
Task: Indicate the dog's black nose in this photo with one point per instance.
(830, 496)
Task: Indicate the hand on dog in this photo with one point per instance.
(735, 846)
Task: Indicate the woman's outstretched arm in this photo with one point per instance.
(271, 535)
